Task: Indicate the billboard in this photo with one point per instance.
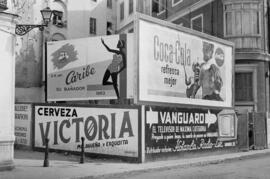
(90, 68)
(23, 121)
(172, 130)
(182, 67)
(109, 131)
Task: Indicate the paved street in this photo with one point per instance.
(251, 164)
(251, 168)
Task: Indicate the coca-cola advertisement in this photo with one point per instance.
(184, 68)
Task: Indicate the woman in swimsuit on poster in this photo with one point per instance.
(113, 70)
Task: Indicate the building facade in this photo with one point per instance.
(125, 11)
(243, 22)
(70, 20)
(7, 79)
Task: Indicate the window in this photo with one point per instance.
(57, 18)
(197, 23)
(130, 6)
(158, 6)
(58, 36)
(109, 28)
(162, 5)
(3, 5)
(154, 7)
(93, 24)
(242, 19)
(244, 86)
(109, 4)
(176, 2)
(122, 11)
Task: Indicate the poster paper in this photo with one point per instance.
(177, 67)
(23, 121)
(90, 68)
(111, 131)
(170, 130)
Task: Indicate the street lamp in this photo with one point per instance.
(22, 29)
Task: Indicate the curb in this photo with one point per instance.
(182, 163)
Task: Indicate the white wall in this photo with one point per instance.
(54, 32)
(126, 24)
(7, 81)
(28, 50)
(80, 13)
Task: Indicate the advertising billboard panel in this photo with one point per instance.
(109, 131)
(90, 68)
(23, 124)
(172, 130)
(178, 66)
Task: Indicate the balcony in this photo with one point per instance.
(243, 24)
(3, 5)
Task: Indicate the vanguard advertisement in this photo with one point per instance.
(182, 68)
(110, 131)
(175, 130)
(90, 68)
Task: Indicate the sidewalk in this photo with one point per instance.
(31, 168)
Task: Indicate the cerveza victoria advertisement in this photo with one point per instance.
(109, 131)
(176, 129)
(90, 68)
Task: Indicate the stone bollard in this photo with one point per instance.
(46, 159)
(82, 151)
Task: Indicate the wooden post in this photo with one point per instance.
(82, 151)
(46, 159)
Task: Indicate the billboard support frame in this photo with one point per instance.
(46, 73)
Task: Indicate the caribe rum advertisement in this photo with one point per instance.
(90, 68)
(182, 68)
(110, 131)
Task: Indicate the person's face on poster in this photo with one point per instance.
(207, 52)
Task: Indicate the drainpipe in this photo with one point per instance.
(166, 10)
(268, 24)
(266, 51)
(212, 18)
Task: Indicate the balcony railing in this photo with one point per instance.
(3, 5)
(247, 41)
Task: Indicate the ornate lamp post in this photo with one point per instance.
(22, 29)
